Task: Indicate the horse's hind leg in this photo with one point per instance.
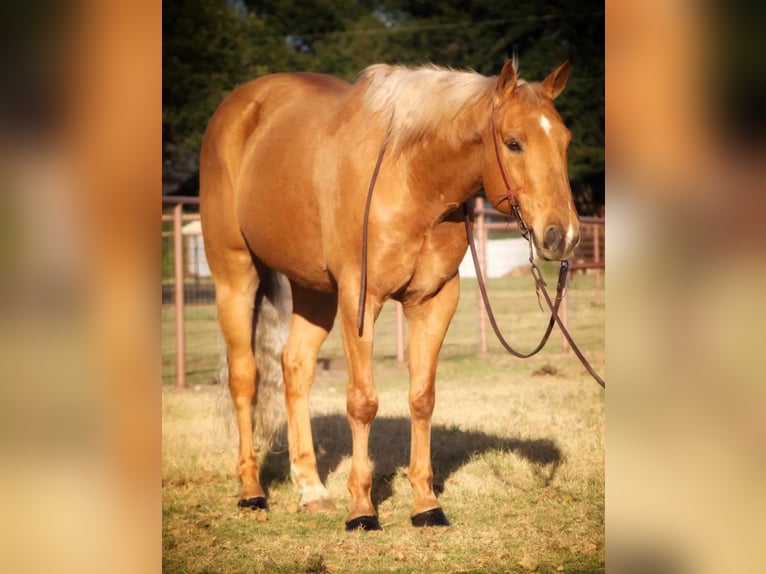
(236, 283)
(312, 319)
(427, 322)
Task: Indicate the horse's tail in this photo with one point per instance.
(271, 318)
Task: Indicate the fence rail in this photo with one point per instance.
(188, 293)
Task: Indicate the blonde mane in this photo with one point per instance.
(425, 100)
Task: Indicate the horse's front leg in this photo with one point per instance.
(428, 322)
(362, 406)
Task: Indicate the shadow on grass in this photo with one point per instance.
(451, 448)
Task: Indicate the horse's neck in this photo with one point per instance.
(446, 173)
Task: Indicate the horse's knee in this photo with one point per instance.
(422, 403)
(362, 403)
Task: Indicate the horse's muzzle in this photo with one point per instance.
(558, 244)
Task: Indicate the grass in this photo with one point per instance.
(517, 454)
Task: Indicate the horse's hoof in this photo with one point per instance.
(255, 503)
(433, 517)
(363, 523)
(319, 505)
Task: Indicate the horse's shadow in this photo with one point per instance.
(390, 446)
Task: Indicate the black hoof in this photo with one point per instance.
(433, 517)
(363, 523)
(255, 503)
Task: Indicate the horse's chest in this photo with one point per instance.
(438, 260)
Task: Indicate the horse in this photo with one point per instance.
(285, 165)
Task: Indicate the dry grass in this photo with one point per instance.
(517, 453)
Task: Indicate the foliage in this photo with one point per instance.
(211, 46)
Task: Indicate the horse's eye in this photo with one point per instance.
(514, 145)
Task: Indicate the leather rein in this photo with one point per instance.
(525, 230)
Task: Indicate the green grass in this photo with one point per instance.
(517, 456)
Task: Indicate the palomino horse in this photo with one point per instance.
(285, 167)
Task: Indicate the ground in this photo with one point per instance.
(518, 456)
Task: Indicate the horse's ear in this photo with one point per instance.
(556, 81)
(507, 79)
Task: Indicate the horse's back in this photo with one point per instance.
(257, 166)
(247, 107)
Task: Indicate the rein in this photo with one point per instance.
(365, 226)
(515, 210)
(536, 273)
(539, 284)
(539, 287)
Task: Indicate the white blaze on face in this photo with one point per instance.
(545, 123)
(570, 234)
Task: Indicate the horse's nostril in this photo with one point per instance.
(552, 237)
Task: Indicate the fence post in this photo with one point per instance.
(597, 259)
(481, 238)
(399, 332)
(178, 250)
(564, 316)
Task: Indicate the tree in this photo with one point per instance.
(211, 46)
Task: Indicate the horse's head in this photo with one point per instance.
(525, 159)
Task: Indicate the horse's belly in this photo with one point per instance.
(282, 230)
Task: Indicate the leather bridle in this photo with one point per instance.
(510, 197)
(540, 284)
